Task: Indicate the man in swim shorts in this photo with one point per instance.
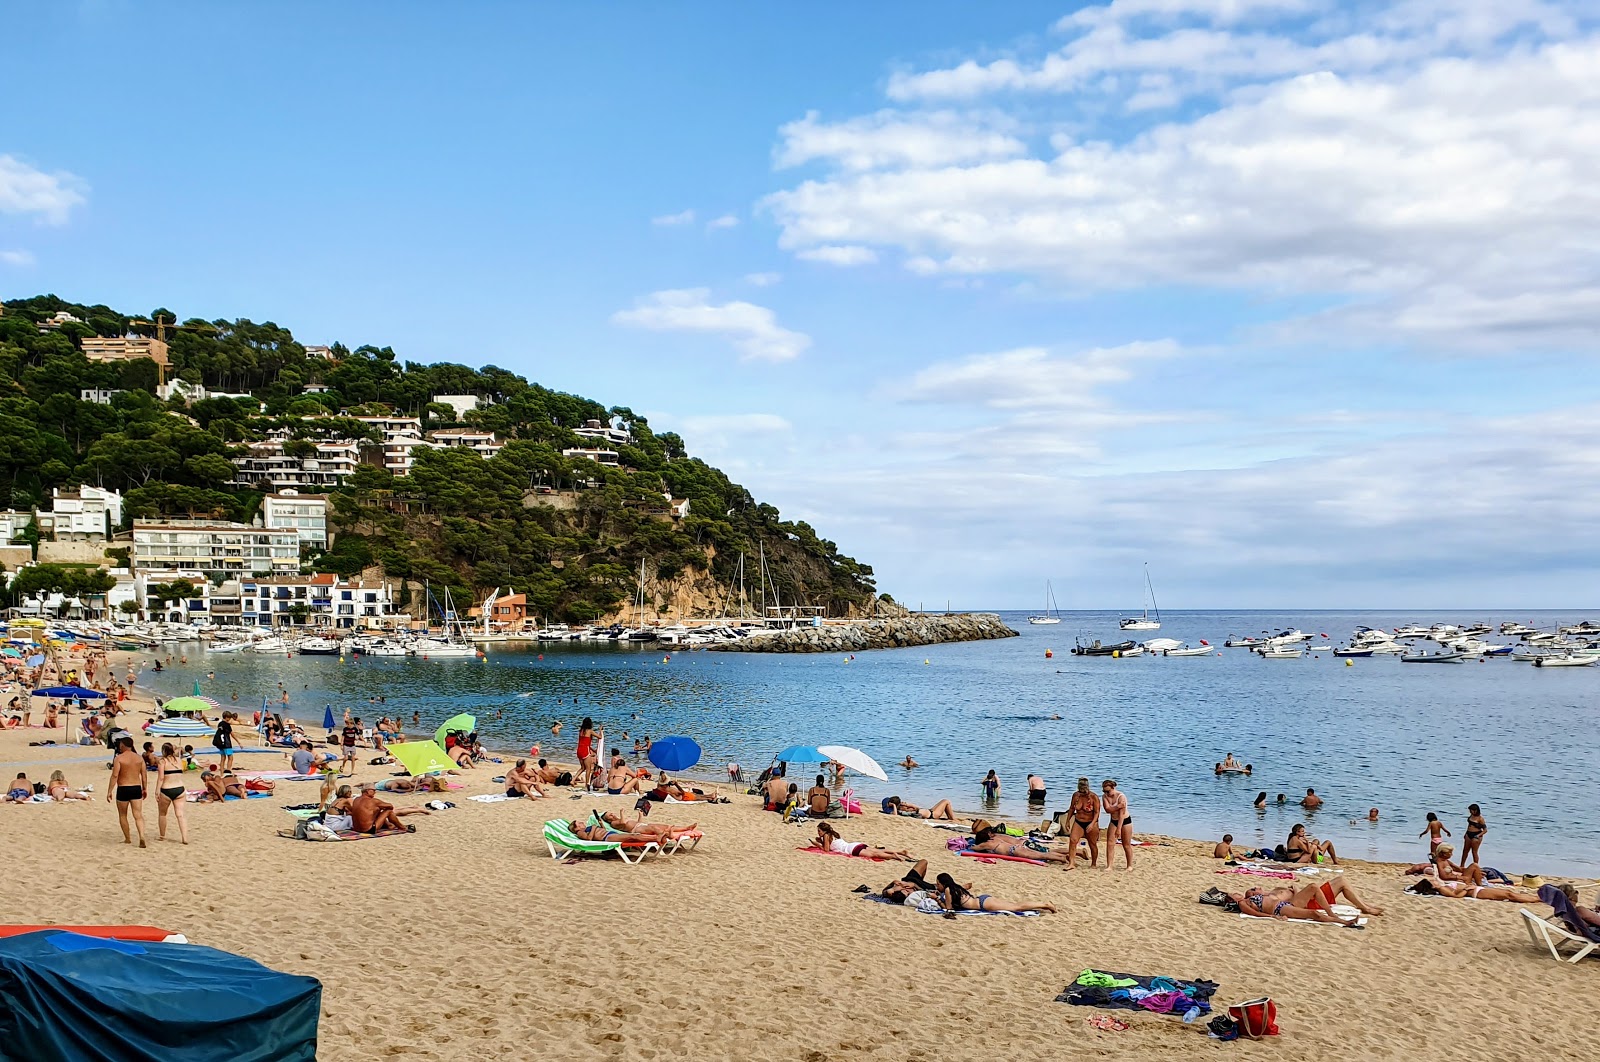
(368, 814)
(20, 791)
(522, 782)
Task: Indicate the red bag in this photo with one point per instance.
(1255, 1018)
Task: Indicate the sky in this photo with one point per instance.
(1295, 302)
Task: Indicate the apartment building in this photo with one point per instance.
(320, 600)
(265, 465)
(214, 547)
(306, 514)
(481, 443)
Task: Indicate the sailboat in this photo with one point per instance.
(1143, 622)
(1051, 613)
(456, 645)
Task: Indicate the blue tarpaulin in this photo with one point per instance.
(68, 997)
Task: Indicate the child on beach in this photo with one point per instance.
(1433, 829)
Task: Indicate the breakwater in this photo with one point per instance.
(888, 633)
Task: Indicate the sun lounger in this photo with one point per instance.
(562, 842)
(1564, 928)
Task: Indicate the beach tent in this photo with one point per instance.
(67, 996)
(463, 722)
(674, 753)
(422, 757)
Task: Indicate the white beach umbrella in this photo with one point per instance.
(854, 759)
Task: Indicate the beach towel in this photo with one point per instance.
(1338, 909)
(990, 857)
(874, 898)
(493, 798)
(1122, 991)
(814, 850)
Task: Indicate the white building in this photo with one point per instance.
(320, 352)
(99, 396)
(604, 433)
(609, 458)
(88, 514)
(327, 600)
(194, 607)
(12, 523)
(266, 465)
(481, 443)
(401, 435)
(460, 403)
(317, 389)
(192, 393)
(214, 547)
(57, 319)
(306, 514)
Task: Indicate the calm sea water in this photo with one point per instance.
(1404, 738)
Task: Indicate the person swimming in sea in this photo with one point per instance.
(908, 763)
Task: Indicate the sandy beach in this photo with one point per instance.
(466, 940)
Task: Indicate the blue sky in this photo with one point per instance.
(1295, 301)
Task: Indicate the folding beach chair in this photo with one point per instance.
(562, 842)
(1565, 928)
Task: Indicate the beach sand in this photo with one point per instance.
(465, 940)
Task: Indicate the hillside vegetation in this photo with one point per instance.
(458, 519)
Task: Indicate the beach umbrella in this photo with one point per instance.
(196, 690)
(8, 651)
(70, 691)
(463, 722)
(422, 757)
(802, 754)
(674, 753)
(179, 705)
(35, 660)
(180, 727)
(856, 760)
(327, 717)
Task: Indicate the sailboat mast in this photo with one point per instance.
(1152, 588)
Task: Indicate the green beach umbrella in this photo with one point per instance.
(463, 722)
(422, 757)
(196, 690)
(186, 704)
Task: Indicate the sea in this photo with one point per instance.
(1406, 739)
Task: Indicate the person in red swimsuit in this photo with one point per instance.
(587, 757)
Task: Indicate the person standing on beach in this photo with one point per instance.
(127, 788)
(1085, 824)
(350, 734)
(223, 740)
(1119, 823)
(1477, 826)
(169, 793)
(587, 757)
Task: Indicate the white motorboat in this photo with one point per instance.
(433, 649)
(1412, 631)
(1565, 661)
(1319, 648)
(1143, 622)
(1051, 613)
(1279, 653)
(1241, 643)
(269, 645)
(1162, 645)
(1444, 656)
(1202, 649)
(227, 647)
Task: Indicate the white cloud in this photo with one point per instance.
(891, 138)
(1457, 201)
(682, 217)
(736, 423)
(1032, 378)
(48, 196)
(762, 280)
(726, 221)
(17, 258)
(753, 330)
(839, 255)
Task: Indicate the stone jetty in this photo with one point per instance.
(886, 633)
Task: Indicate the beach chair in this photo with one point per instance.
(562, 842)
(1565, 928)
(682, 844)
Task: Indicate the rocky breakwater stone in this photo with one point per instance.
(890, 633)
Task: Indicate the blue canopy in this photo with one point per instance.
(64, 995)
(70, 691)
(674, 753)
(801, 754)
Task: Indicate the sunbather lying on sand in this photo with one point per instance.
(954, 897)
(1445, 870)
(828, 840)
(1460, 890)
(988, 840)
(1309, 903)
(941, 810)
(666, 787)
(428, 783)
(903, 888)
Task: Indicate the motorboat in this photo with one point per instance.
(433, 649)
(1319, 648)
(1241, 643)
(1444, 656)
(1566, 661)
(1364, 651)
(1512, 629)
(1203, 649)
(1094, 648)
(270, 645)
(1143, 622)
(319, 647)
(1162, 645)
(1278, 652)
(1412, 631)
(1051, 614)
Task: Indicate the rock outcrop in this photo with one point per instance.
(890, 633)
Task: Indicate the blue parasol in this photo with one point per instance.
(70, 691)
(674, 753)
(327, 717)
(35, 660)
(801, 754)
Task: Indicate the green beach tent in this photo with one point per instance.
(422, 757)
(463, 722)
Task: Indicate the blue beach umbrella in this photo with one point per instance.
(327, 717)
(35, 660)
(801, 754)
(70, 691)
(674, 753)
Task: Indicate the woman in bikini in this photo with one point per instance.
(1460, 890)
(1085, 826)
(1473, 837)
(59, 790)
(169, 793)
(1303, 849)
(954, 897)
(1445, 870)
(127, 788)
(1119, 824)
(1310, 904)
(828, 840)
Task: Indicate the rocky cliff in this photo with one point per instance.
(890, 633)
